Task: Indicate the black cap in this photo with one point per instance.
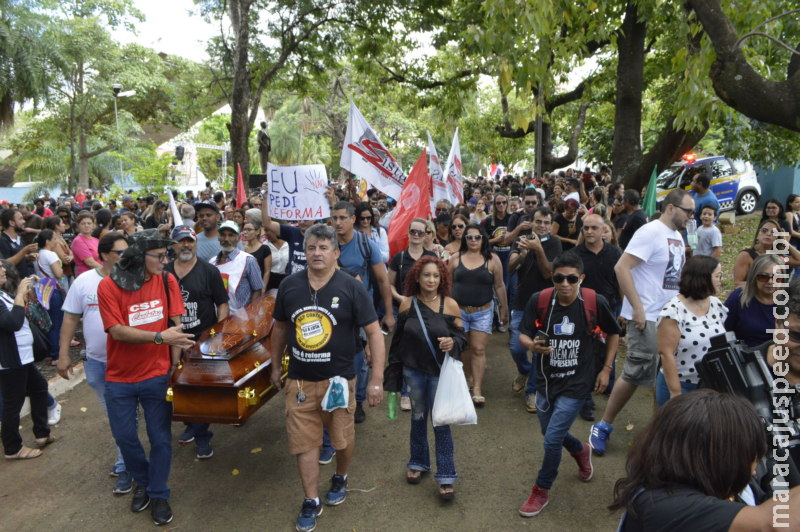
(204, 205)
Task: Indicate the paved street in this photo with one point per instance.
(252, 483)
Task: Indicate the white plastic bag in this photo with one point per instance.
(336, 395)
(453, 404)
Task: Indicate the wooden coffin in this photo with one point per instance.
(225, 377)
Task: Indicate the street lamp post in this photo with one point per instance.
(118, 93)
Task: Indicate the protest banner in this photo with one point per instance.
(297, 192)
(411, 204)
(437, 176)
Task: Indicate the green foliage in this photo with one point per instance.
(153, 172)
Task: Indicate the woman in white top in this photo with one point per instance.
(18, 375)
(50, 266)
(479, 214)
(686, 325)
(280, 257)
(367, 223)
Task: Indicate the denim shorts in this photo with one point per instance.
(480, 320)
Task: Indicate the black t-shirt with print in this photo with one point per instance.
(202, 290)
(297, 254)
(322, 329)
(664, 510)
(494, 227)
(570, 369)
(567, 229)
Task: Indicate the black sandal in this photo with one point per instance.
(446, 492)
(413, 476)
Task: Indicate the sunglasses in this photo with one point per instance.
(689, 212)
(500, 202)
(560, 278)
(473, 238)
(534, 202)
(416, 232)
(440, 211)
(362, 218)
(764, 277)
(457, 226)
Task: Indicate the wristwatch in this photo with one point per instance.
(158, 340)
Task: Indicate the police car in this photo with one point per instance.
(733, 182)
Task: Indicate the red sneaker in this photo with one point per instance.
(535, 503)
(584, 460)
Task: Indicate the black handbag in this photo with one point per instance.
(41, 345)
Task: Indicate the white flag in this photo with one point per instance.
(364, 155)
(437, 176)
(176, 214)
(455, 179)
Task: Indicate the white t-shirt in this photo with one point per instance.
(656, 279)
(573, 195)
(24, 336)
(707, 239)
(46, 259)
(82, 301)
(696, 333)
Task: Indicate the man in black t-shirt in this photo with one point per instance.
(567, 369)
(317, 316)
(12, 248)
(530, 259)
(634, 219)
(206, 301)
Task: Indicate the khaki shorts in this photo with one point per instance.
(304, 421)
(642, 361)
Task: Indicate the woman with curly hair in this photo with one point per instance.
(428, 328)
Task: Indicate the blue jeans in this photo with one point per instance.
(662, 390)
(201, 431)
(122, 399)
(519, 354)
(57, 317)
(422, 389)
(362, 376)
(556, 418)
(96, 378)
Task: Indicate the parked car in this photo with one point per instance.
(733, 182)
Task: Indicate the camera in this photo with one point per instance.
(730, 366)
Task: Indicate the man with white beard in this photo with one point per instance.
(239, 269)
(206, 303)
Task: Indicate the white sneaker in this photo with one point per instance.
(405, 403)
(54, 414)
(530, 403)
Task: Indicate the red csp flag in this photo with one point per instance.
(241, 195)
(414, 202)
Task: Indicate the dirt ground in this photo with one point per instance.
(252, 483)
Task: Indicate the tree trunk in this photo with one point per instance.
(626, 152)
(737, 83)
(240, 95)
(669, 147)
(83, 160)
(6, 112)
(549, 160)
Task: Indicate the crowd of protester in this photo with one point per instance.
(566, 264)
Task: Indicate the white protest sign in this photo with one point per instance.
(297, 192)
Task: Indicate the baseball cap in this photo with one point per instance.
(126, 197)
(230, 225)
(204, 205)
(183, 231)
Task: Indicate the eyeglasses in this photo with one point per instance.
(534, 203)
(560, 278)
(416, 232)
(473, 238)
(160, 256)
(457, 226)
(764, 277)
(362, 218)
(247, 229)
(119, 252)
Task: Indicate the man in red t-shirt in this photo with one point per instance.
(137, 303)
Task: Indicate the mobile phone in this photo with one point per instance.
(542, 335)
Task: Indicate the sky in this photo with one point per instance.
(170, 28)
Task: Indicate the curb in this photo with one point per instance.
(58, 386)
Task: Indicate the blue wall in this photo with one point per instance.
(778, 183)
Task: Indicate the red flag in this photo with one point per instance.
(412, 203)
(241, 196)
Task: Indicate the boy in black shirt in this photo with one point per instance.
(566, 345)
